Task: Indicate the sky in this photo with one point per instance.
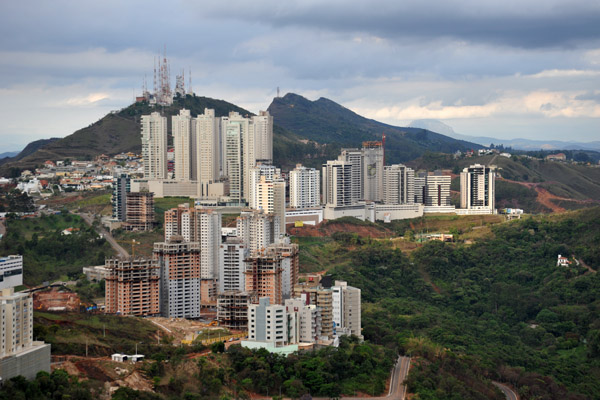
(527, 69)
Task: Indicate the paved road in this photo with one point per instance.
(397, 389)
(508, 392)
(89, 219)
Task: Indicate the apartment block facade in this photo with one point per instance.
(305, 186)
(132, 286)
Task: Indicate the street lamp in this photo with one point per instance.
(136, 343)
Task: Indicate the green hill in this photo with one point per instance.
(326, 122)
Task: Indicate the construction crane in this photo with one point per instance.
(133, 243)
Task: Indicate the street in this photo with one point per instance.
(89, 219)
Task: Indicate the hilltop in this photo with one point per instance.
(327, 122)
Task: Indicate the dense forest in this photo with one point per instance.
(499, 309)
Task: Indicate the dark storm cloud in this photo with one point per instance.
(530, 24)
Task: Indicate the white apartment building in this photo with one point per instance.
(437, 190)
(478, 188)
(354, 157)
(305, 186)
(184, 146)
(346, 304)
(11, 271)
(304, 320)
(398, 184)
(267, 323)
(231, 268)
(263, 137)
(19, 353)
(270, 172)
(337, 183)
(208, 149)
(257, 229)
(238, 154)
(154, 146)
(420, 187)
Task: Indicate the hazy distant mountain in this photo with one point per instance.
(518, 144)
(28, 150)
(326, 122)
(9, 154)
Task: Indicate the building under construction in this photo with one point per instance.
(140, 211)
(232, 309)
(273, 272)
(132, 286)
(179, 262)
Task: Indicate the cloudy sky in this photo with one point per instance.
(516, 69)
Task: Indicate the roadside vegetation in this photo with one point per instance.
(48, 253)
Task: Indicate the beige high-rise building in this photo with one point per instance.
(208, 152)
(270, 197)
(183, 146)
(346, 304)
(270, 172)
(322, 298)
(154, 146)
(478, 188)
(263, 137)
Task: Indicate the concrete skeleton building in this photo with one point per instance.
(139, 211)
(305, 185)
(372, 171)
(154, 146)
(273, 272)
(179, 263)
(232, 309)
(132, 286)
(478, 189)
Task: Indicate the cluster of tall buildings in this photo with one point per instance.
(316, 314)
(359, 184)
(213, 156)
(20, 354)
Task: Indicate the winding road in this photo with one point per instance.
(508, 392)
(89, 219)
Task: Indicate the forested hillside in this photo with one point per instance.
(499, 309)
